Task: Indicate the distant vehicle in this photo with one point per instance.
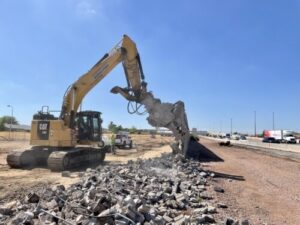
(271, 140)
(243, 138)
(236, 137)
(225, 142)
(284, 136)
(289, 138)
(164, 132)
(123, 140)
(221, 135)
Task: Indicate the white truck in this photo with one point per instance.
(123, 140)
(284, 136)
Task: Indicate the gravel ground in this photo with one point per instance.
(270, 191)
(165, 190)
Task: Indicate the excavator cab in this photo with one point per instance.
(89, 127)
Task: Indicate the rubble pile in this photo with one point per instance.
(168, 190)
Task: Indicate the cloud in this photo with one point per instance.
(85, 8)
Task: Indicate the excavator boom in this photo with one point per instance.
(171, 116)
(126, 52)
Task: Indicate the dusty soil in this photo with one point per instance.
(270, 192)
(16, 180)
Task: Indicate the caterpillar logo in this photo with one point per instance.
(43, 130)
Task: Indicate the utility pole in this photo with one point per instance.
(230, 126)
(254, 123)
(12, 114)
(273, 121)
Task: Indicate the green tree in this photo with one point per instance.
(119, 128)
(8, 120)
(132, 130)
(112, 127)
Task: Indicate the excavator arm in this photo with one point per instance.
(171, 116)
(125, 52)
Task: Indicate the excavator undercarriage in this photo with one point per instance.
(56, 159)
(89, 130)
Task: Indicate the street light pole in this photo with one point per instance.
(230, 126)
(11, 118)
(273, 122)
(254, 123)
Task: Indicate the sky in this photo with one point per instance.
(224, 59)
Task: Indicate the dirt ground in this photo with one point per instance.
(270, 192)
(15, 180)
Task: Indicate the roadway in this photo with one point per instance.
(284, 150)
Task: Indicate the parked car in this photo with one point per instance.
(271, 140)
(123, 140)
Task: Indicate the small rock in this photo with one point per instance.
(77, 194)
(219, 189)
(80, 174)
(180, 197)
(11, 204)
(22, 218)
(158, 220)
(245, 222)
(66, 174)
(30, 215)
(221, 205)
(230, 221)
(203, 174)
(32, 198)
(211, 209)
(167, 219)
(208, 218)
(52, 204)
(200, 210)
(88, 170)
(205, 196)
(79, 219)
(144, 209)
(6, 211)
(179, 220)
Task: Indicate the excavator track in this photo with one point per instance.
(55, 159)
(28, 158)
(14, 160)
(75, 158)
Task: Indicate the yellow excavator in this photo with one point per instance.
(74, 139)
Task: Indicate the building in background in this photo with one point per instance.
(15, 127)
